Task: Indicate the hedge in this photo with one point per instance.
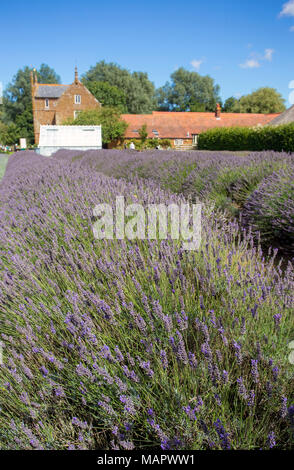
(278, 138)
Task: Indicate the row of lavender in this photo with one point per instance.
(258, 187)
(134, 344)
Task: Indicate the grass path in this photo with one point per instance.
(3, 163)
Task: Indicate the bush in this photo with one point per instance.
(279, 138)
(270, 210)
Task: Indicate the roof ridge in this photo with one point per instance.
(51, 84)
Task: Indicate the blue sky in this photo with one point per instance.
(242, 44)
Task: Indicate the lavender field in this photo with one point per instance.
(137, 344)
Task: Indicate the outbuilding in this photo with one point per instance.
(53, 138)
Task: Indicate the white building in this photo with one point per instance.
(53, 138)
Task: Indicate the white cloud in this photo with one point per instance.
(268, 54)
(196, 64)
(288, 9)
(250, 64)
(292, 29)
(256, 60)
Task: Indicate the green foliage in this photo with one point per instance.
(188, 91)
(149, 144)
(9, 134)
(113, 127)
(231, 105)
(264, 100)
(46, 74)
(143, 133)
(108, 95)
(165, 143)
(18, 100)
(278, 138)
(136, 87)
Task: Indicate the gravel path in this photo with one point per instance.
(3, 162)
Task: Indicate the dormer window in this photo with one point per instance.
(78, 99)
(46, 103)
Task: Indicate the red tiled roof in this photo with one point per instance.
(183, 125)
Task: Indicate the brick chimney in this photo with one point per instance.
(76, 75)
(218, 111)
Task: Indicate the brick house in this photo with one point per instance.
(182, 128)
(53, 104)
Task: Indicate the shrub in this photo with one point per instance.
(270, 210)
(279, 138)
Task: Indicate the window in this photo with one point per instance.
(76, 113)
(46, 103)
(178, 141)
(78, 99)
(155, 132)
(194, 139)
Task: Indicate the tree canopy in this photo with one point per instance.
(264, 100)
(113, 127)
(17, 100)
(231, 105)
(108, 95)
(139, 91)
(188, 91)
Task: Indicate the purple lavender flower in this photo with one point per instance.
(222, 434)
(271, 440)
(254, 370)
(241, 388)
(284, 409)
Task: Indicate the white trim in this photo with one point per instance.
(78, 99)
(178, 141)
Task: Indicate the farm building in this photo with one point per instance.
(53, 138)
(183, 128)
(53, 104)
(284, 118)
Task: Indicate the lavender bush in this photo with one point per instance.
(224, 178)
(134, 344)
(270, 209)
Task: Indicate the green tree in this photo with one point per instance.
(137, 88)
(188, 91)
(108, 95)
(9, 134)
(265, 100)
(231, 105)
(113, 127)
(143, 133)
(17, 100)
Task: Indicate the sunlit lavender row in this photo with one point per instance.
(239, 184)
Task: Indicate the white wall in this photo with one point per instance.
(70, 137)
